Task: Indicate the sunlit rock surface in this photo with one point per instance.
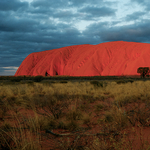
(105, 59)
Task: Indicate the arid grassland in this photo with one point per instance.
(67, 115)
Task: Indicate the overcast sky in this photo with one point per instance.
(28, 26)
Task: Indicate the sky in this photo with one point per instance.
(28, 26)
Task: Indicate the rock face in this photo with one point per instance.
(105, 59)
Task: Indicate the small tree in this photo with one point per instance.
(143, 71)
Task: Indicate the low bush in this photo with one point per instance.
(38, 78)
(121, 81)
(63, 81)
(97, 83)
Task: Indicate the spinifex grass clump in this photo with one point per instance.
(74, 115)
(14, 133)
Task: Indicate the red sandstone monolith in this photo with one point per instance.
(105, 59)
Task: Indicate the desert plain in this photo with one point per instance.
(74, 114)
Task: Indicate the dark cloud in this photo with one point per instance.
(12, 5)
(64, 3)
(134, 32)
(145, 3)
(50, 4)
(94, 12)
(79, 3)
(139, 1)
(47, 24)
(98, 11)
(65, 15)
(14, 24)
(135, 16)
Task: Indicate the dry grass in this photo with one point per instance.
(86, 115)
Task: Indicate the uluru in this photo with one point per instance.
(104, 59)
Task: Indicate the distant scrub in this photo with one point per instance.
(16, 79)
(67, 78)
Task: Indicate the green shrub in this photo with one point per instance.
(38, 78)
(121, 82)
(63, 81)
(130, 80)
(97, 83)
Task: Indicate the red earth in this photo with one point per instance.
(133, 137)
(105, 59)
